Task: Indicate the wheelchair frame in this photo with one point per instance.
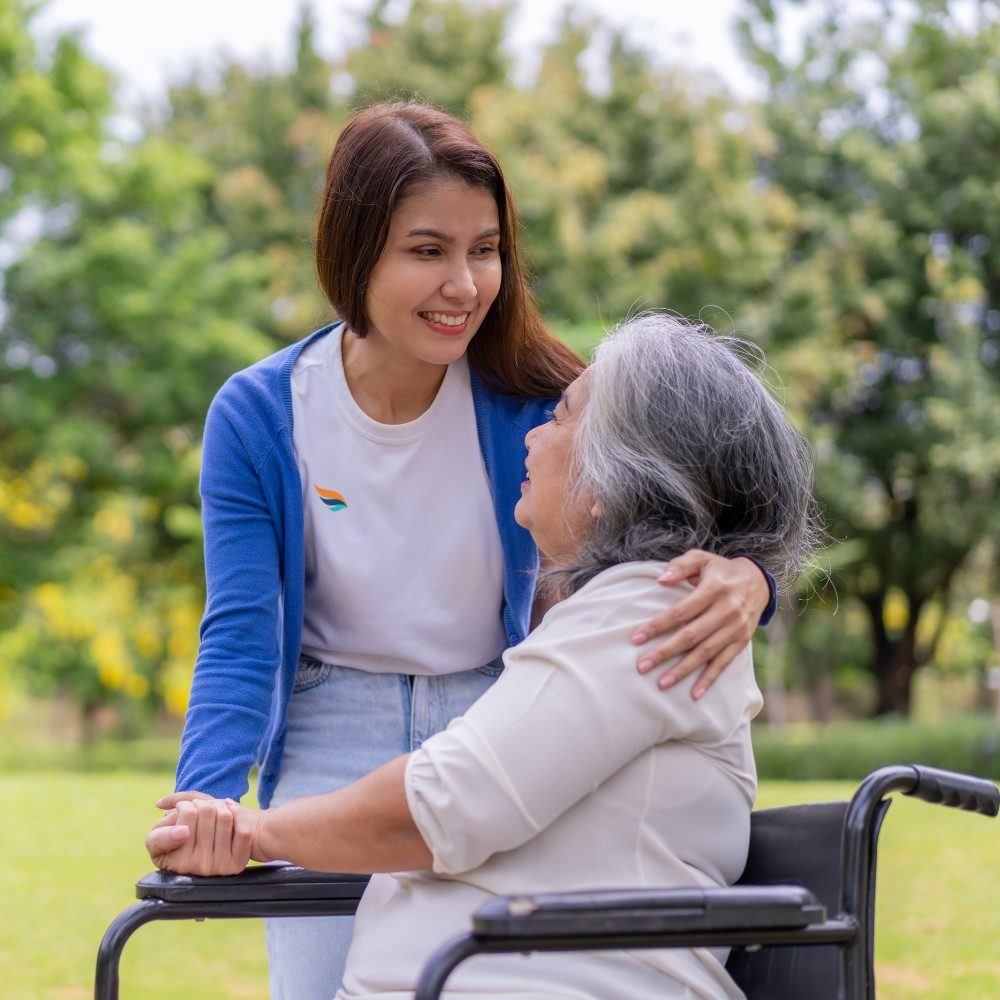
(741, 917)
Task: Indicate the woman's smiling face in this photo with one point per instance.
(550, 508)
(438, 273)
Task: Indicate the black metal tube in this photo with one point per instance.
(858, 852)
(126, 923)
(945, 787)
(115, 937)
(442, 963)
(841, 931)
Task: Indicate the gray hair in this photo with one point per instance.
(681, 446)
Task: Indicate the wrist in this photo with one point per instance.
(261, 841)
(769, 604)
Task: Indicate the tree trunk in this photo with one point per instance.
(894, 661)
(821, 695)
(775, 701)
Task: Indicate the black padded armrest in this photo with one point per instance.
(645, 911)
(260, 883)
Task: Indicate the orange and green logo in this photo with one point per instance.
(332, 499)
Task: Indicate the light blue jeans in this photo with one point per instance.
(343, 723)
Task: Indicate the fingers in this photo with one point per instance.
(686, 566)
(691, 618)
(715, 666)
(714, 670)
(169, 801)
(200, 835)
(162, 843)
(707, 637)
(168, 819)
(201, 816)
(713, 640)
(242, 839)
(687, 609)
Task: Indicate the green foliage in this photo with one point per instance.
(51, 113)
(848, 221)
(885, 322)
(439, 51)
(807, 752)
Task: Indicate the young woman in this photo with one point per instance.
(364, 569)
(572, 772)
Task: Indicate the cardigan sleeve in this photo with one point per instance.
(569, 711)
(239, 650)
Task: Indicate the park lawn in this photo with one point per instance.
(72, 847)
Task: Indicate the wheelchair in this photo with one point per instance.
(799, 922)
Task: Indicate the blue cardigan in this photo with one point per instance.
(255, 567)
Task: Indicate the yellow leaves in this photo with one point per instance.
(28, 517)
(965, 289)
(174, 680)
(115, 667)
(111, 659)
(146, 638)
(895, 611)
(32, 501)
(114, 525)
(175, 687)
(182, 631)
(131, 637)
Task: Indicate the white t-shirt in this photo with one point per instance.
(573, 772)
(404, 568)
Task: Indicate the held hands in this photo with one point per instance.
(200, 835)
(711, 625)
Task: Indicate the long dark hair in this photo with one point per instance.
(381, 153)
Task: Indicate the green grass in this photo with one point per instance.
(72, 847)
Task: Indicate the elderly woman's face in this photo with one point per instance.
(549, 507)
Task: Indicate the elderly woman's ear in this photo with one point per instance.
(595, 511)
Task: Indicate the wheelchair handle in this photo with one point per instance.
(960, 791)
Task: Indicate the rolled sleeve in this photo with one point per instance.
(569, 711)
(456, 789)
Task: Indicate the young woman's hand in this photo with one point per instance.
(711, 624)
(200, 835)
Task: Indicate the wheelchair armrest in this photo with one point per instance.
(645, 911)
(961, 791)
(260, 883)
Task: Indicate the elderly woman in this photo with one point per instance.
(571, 772)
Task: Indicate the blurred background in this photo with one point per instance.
(822, 179)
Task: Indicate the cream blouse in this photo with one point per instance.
(572, 772)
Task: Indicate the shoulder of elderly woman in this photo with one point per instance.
(587, 629)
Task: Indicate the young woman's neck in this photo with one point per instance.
(389, 386)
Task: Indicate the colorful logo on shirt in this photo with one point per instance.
(333, 499)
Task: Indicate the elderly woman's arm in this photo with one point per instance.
(365, 827)
(562, 719)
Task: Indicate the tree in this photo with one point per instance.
(887, 314)
(51, 114)
(121, 320)
(439, 51)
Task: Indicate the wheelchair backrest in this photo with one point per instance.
(798, 845)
